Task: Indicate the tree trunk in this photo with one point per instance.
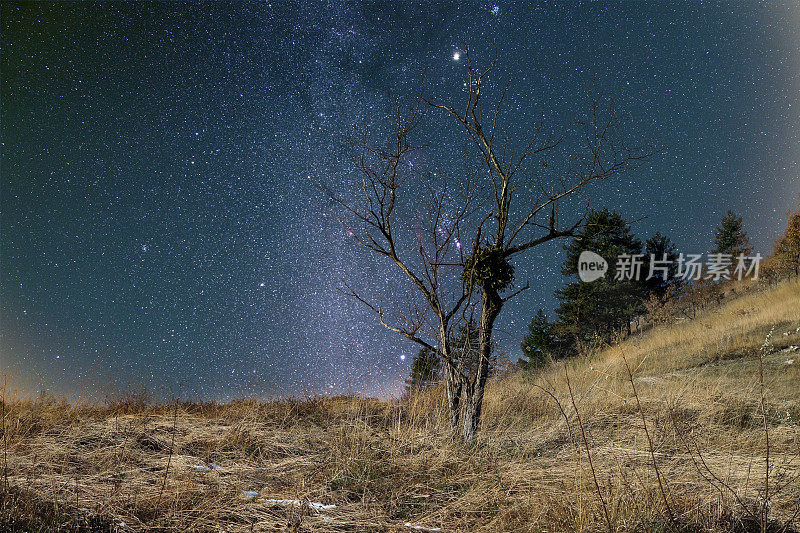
(454, 386)
(471, 415)
(452, 381)
(491, 303)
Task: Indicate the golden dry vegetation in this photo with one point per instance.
(679, 444)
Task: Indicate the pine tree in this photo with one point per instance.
(730, 237)
(605, 306)
(539, 343)
(424, 370)
(658, 247)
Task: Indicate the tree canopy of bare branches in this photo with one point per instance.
(456, 250)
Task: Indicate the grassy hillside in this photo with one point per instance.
(570, 449)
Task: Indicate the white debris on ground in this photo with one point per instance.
(206, 468)
(790, 349)
(317, 506)
(421, 528)
(789, 362)
(297, 503)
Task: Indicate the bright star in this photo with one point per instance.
(456, 55)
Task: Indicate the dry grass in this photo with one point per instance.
(384, 465)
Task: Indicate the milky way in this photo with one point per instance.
(161, 226)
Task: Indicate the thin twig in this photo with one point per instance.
(588, 452)
(171, 448)
(649, 441)
(764, 515)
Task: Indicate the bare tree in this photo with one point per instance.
(373, 221)
(503, 205)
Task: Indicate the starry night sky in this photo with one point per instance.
(160, 221)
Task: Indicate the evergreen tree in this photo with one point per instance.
(424, 370)
(539, 343)
(730, 237)
(657, 248)
(605, 306)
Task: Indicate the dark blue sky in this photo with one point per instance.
(160, 225)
